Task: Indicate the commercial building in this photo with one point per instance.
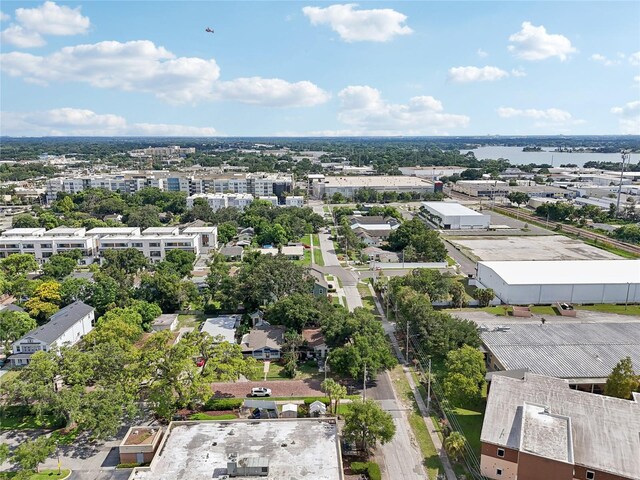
(139, 445)
(348, 186)
(574, 281)
(433, 173)
(284, 449)
(584, 354)
(65, 328)
(453, 216)
(539, 428)
(481, 188)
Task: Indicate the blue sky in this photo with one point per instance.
(319, 68)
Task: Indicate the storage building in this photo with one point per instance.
(453, 216)
(574, 281)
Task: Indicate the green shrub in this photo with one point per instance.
(128, 465)
(217, 404)
(310, 400)
(370, 468)
(204, 416)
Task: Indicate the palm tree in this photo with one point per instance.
(454, 445)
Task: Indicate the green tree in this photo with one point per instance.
(168, 290)
(484, 296)
(335, 392)
(59, 266)
(31, 453)
(454, 445)
(458, 295)
(226, 232)
(73, 289)
(45, 300)
(623, 380)
(144, 217)
(366, 424)
(25, 220)
(298, 311)
(18, 264)
(465, 376)
(292, 343)
(178, 261)
(4, 453)
(148, 312)
(14, 325)
(123, 264)
(107, 293)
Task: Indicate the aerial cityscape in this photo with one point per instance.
(297, 240)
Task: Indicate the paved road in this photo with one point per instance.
(467, 266)
(328, 252)
(348, 278)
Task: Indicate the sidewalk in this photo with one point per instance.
(433, 433)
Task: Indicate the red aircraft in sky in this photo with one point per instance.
(209, 30)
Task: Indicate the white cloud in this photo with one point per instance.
(534, 43)
(142, 66)
(476, 74)
(51, 19)
(551, 117)
(636, 79)
(74, 121)
(629, 117)
(4, 17)
(518, 72)
(366, 112)
(634, 59)
(271, 92)
(607, 62)
(19, 37)
(47, 19)
(481, 53)
(376, 25)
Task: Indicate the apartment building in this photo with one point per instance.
(256, 184)
(222, 200)
(294, 201)
(154, 243)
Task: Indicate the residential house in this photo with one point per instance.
(264, 342)
(315, 343)
(64, 329)
(167, 321)
(223, 326)
(232, 254)
(293, 252)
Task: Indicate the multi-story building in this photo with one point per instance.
(43, 244)
(222, 200)
(348, 186)
(294, 201)
(539, 428)
(64, 329)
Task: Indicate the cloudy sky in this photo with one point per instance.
(319, 68)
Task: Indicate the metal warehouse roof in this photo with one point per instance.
(604, 429)
(565, 350)
(563, 272)
(450, 209)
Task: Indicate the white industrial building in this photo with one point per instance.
(453, 216)
(348, 186)
(574, 281)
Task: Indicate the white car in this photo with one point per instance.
(260, 392)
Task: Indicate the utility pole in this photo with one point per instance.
(407, 348)
(429, 389)
(364, 384)
(625, 156)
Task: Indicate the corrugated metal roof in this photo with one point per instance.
(604, 429)
(572, 350)
(564, 272)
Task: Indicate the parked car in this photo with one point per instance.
(260, 392)
(200, 362)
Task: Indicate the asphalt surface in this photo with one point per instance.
(332, 266)
(467, 266)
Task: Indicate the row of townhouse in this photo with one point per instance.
(154, 242)
(256, 184)
(241, 200)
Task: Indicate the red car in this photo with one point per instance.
(200, 362)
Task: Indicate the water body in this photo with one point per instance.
(517, 157)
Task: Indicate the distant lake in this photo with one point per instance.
(517, 157)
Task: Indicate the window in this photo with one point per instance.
(590, 475)
(498, 471)
(155, 254)
(501, 452)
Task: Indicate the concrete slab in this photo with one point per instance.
(514, 248)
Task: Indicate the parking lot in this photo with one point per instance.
(552, 247)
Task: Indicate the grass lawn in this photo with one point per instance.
(418, 427)
(42, 475)
(367, 298)
(17, 418)
(450, 261)
(326, 209)
(551, 311)
(188, 321)
(63, 437)
(620, 309)
(471, 423)
(204, 416)
(306, 260)
(317, 252)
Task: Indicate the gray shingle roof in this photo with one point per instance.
(266, 336)
(60, 322)
(604, 430)
(565, 350)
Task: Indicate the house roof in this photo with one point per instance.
(231, 251)
(11, 308)
(313, 337)
(264, 336)
(60, 322)
(224, 326)
(564, 350)
(166, 319)
(604, 430)
(360, 232)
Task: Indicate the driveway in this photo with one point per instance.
(328, 252)
(279, 388)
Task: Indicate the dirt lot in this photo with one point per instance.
(279, 388)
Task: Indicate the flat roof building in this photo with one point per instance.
(347, 186)
(453, 216)
(539, 428)
(584, 354)
(574, 281)
(222, 326)
(289, 449)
